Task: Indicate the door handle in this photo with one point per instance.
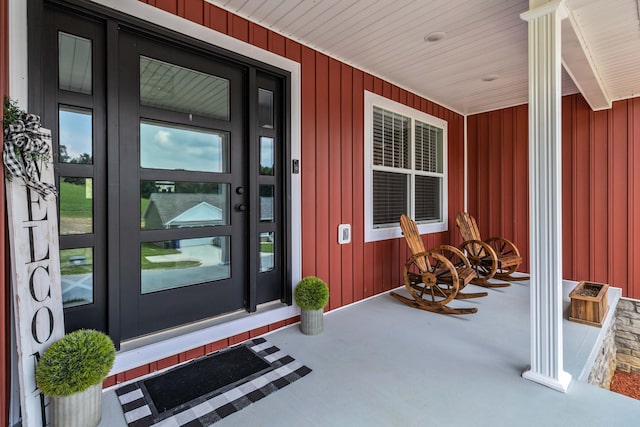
(241, 207)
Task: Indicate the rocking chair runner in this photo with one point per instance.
(495, 257)
(434, 278)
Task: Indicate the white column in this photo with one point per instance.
(545, 197)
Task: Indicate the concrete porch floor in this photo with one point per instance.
(381, 363)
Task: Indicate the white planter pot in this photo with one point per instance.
(82, 409)
(311, 321)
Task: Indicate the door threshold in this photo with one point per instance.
(177, 331)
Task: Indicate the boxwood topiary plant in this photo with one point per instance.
(311, 293)
(75, 362)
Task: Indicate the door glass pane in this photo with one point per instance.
(175, 263)
(265, 108)
(266, 203)
(164, 146)
(74, 63)
(266, 155)
(76, 135)
(76, 205)
(169, 86)
(267, 242)
(76, 270)
(169, 204)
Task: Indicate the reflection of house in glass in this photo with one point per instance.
(165, 186)
(266, 209)
(180, 210)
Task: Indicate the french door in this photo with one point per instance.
(185, 174)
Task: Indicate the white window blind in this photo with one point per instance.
(405, 168)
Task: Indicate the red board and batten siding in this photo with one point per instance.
(332, 171)
(600, 186)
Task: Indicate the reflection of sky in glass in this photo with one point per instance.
(164, 147)
(75, 132)
(266, 152)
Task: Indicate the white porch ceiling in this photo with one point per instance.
(483, 38)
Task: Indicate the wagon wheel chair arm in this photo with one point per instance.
(509, 257)
(503, 246)
(464, 268)
(484, 261)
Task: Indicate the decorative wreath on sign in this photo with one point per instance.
(26, 144)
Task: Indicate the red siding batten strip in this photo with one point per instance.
(170, 6)
(346, 181)
(194, 11)
(357, 228)
(308, 163)
(632, 202)
(619, 247)
(335, 184)
(322, 170)
(567, 188)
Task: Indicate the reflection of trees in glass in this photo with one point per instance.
(84, 158)
(264, 170)
(266, 191)
(198, 187)
(64, 157)
(149, 187)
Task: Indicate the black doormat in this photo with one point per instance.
(210, 388)
(203, 376)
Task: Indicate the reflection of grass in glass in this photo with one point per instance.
(151, 249)
(266, 247)
(73, 200)
(72, 302)
(66, 266)
(76, 269)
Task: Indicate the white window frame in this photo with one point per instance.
(372, 234)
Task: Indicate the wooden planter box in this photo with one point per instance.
(589, 303)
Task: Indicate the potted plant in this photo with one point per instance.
(311, 295)
(71, 372)
(589, 303)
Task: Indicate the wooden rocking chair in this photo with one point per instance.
(434, 278)
(495, 257)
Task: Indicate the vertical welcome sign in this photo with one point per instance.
(35, 276)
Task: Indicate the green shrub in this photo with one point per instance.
(311, 293)
(75, 362)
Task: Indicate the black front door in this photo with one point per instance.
(171, 165)
(183, 191)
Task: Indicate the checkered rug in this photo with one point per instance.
(206, 410)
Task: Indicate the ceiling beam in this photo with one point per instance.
(580, 65)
